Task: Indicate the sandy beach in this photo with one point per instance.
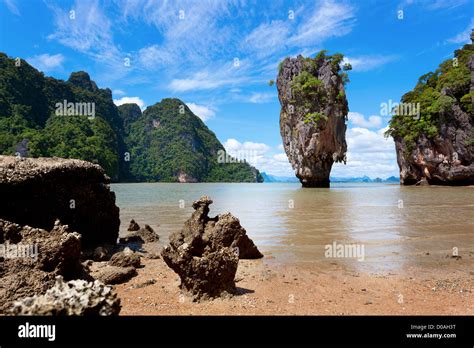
(267, 288)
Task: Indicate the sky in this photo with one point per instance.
(218, 57)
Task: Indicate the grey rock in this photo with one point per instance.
(76, 297)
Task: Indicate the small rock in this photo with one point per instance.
(114, 275)
(125, 259)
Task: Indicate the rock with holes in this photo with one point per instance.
(76, 297)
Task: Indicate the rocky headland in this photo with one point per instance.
(436, 146)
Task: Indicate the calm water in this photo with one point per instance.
(294, 224)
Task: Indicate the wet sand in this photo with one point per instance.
(268, 288)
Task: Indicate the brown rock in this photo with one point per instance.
(44, 255)
(123, 259)
(139, 234)
(133, 226)
(114, 274)
(205, 253)
(224, 230)
(37, 191)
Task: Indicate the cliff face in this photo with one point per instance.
(438, 146)
(313, 114)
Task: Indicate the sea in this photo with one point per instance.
(366, 226)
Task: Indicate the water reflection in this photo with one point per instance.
(397, 226)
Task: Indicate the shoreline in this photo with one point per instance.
(269, 288)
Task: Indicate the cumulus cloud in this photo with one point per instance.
(260, 155)
(202, 111)
(233, 145)
(46, 62)
(358, 119)
(128, 100)
(368, 153)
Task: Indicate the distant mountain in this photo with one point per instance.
(272, 179)
(43, 117)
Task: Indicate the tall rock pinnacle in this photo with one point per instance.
(313, 114)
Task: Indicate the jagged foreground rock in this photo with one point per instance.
(33, 271)
(313, 114)
(437, 147)
(205, 253)
(76, 297)
(37, 191)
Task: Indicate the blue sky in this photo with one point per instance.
(218, 56)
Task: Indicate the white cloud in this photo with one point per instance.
(464, 36)
(233, 145)
(88, 30)
(153, 56)
(12, 6)
(46, 62)
(194, 38)
(329, 19)
(129, 100)
(261, 98)
(118, 92)
(368, 153)
(227, 75)
(202, 111)
(358, 119)
(282, 157)
(260, 156)
(366, 63)
(267, 38)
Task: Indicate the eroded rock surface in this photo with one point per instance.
(37, 191)
(44, 255)
(312, 117)
(205, 253)
(224, 230)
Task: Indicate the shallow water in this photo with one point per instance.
(396, 226)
